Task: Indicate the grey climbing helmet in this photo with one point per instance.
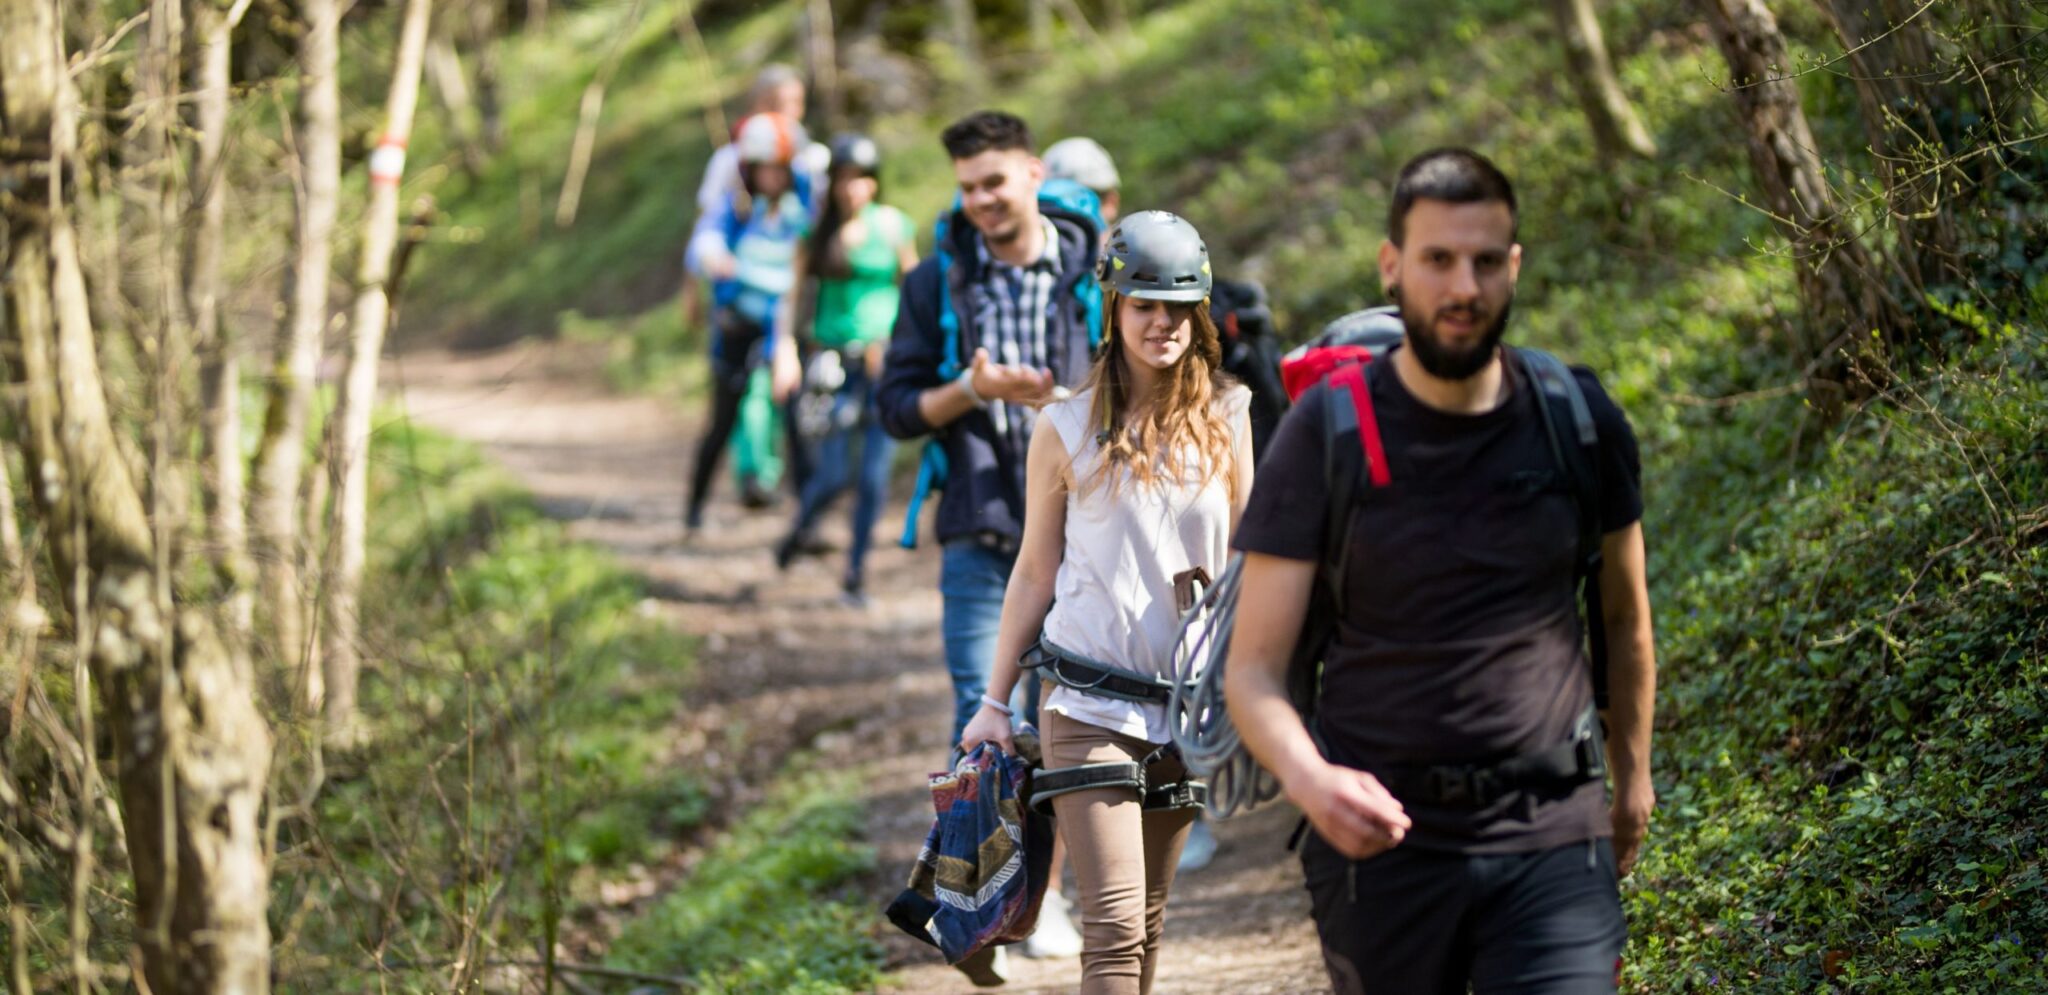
(1156, 256)
(856, 151)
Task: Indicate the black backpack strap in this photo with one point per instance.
(1574, 446)
(1343, 460)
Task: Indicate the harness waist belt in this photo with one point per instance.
(1578, 760)
(1187, 792)
(1069, 669)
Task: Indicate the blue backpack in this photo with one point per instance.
(1057, 194)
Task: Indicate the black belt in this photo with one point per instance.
(1069, 669)
(999, 543)
(1567, 765)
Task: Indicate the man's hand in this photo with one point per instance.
(1012, 384)
(721, 267)
(1633, 800)
(988, 725)
(1350, 810)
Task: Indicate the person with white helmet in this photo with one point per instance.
(1133, 487)
(1086, 162)
(777, 89)
(759, 232)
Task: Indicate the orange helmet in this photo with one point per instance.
(767, 138)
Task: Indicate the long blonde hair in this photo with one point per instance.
(1182, 417)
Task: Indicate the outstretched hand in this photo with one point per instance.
(1351, 810)
(1010, 383)
(987, 726)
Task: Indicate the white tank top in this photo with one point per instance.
(1113, 595)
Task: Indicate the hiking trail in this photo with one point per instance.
(783, 665)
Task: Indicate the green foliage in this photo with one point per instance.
(505, 267)
(521, 704)
(768, 909)
(1853, 709)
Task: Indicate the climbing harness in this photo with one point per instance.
(1187, 792)
(1070, 669)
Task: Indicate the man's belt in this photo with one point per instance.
(1072, 670)
(1579, 760)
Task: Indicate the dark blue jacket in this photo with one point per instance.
(985, 470)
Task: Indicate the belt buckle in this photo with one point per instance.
(1449, 785)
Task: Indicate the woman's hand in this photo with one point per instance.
(785, 374)
(987, 726)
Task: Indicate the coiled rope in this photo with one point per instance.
(1208, 742)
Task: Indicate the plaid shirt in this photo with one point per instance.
(1009, 307)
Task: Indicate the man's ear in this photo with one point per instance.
(1035, 167)
(1514, 263)
(1390, 264)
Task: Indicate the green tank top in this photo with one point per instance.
(862, 307)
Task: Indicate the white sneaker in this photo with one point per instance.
(987, 967)
(1055, 937)
(1200, 847)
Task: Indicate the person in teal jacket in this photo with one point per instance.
(763, 227)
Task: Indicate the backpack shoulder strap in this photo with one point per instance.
(1568, 426)
(1351, 444)
(1575, 446)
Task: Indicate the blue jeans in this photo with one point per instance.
(971, 582)
(852, 407)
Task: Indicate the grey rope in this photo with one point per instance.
(1209, 743)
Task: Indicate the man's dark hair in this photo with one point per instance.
(1455, 176)
(982, 131)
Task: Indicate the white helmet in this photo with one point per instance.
(768, 138)
(1084, 162)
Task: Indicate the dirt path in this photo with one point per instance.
(785, 665)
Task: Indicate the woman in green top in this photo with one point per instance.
(855, 258)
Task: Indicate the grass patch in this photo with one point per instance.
(520, 703)
(770, 909)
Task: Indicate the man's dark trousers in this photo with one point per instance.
(1429, 922)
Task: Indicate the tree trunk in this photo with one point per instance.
(17, 577)
(1039, 17)
(584, 145)
(483, 40)
(1616, 129)
(192, 750)
(451, 92)
(962, 35)
(281, 453)
(221, 370)
(1897, 86)
(341, 659)
(822, 53)
(1841, 286)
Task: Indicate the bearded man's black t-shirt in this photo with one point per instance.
(1459, 639)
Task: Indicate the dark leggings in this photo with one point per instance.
(735, 351)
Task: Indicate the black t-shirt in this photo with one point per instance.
(1459, 637)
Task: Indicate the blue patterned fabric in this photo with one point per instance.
(982, 872)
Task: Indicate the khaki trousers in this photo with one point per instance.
(1123, 857)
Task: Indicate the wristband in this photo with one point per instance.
(997, 705)
(965, 382)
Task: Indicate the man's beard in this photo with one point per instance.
(1440, 360)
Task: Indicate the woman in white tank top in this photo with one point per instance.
(1136, 480)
